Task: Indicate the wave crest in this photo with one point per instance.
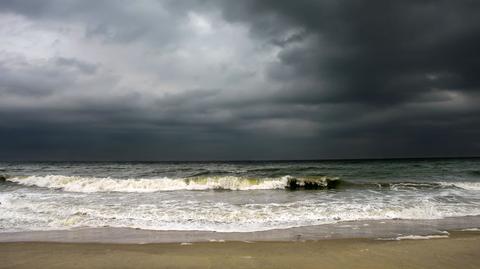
(93, 184)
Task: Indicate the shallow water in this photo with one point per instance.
(233, 196)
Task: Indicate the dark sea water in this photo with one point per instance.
(233, 196)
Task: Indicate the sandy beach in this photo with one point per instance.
(459, 250)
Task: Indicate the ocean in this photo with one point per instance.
(233, 196)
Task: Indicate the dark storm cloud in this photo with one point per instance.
(347, 79)
(381, 52)
(380, 58)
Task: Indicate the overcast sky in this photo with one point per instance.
(250, 79)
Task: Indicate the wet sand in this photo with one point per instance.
(459, 250)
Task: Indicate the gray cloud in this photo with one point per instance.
(86, 68)
(238, 80)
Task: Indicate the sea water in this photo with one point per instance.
(233, 196)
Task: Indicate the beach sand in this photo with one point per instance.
(459, 250)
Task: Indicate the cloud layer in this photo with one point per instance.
(195, 80)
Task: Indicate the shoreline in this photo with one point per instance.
(371, 229)
(459, 250)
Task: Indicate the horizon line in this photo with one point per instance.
(255, 160)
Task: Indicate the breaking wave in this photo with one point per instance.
(145, 185)
(93, 184)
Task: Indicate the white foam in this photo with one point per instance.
(45, 210)
(475, 186)
(92, 184)
(471, 230)
(95, 202)
(215, 240)
(420, 237)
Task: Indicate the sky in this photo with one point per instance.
(238, 80)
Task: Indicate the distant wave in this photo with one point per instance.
(95, 184)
